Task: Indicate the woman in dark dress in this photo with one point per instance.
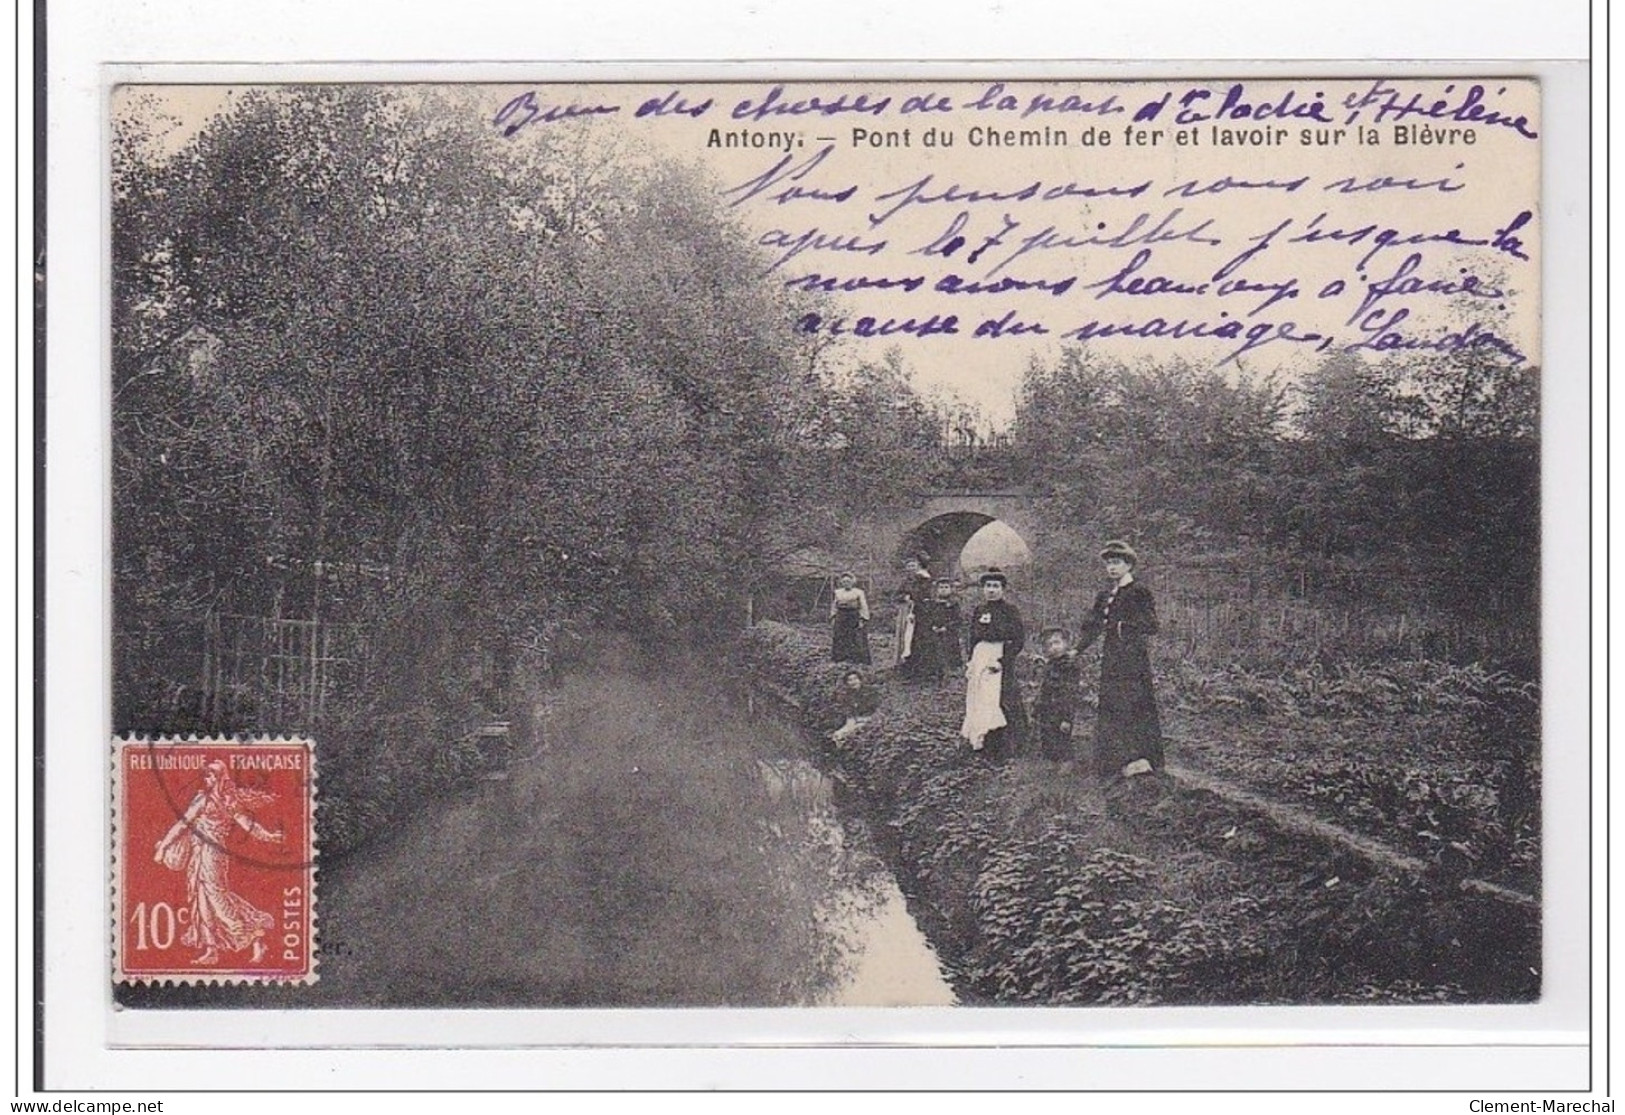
(916, 587)
(937, 626)
(849, 622)
(998, 621)
(1128, 732)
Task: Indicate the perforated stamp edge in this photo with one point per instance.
(204, 977)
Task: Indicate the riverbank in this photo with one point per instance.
(1034, 892)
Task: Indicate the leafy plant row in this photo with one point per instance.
(1352, 688)
(1465, 793)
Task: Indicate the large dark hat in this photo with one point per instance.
(1117, 548)
(993, 576)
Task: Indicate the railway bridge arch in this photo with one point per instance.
(961, 531)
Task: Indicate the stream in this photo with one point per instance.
(885, 959)
(659, 847)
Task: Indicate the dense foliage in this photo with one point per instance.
(1438, 760)
(348, 332)
(1407, 487)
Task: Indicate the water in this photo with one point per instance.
(882, 957)
(892, 963)
(657, 847)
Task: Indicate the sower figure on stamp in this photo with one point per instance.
(1128, 732)
(995, 719)
(217, 916)
(1057, 701)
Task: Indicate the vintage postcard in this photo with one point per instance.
(828, 543)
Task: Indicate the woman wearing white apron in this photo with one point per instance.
(995, 720)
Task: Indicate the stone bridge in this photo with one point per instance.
(940, 523)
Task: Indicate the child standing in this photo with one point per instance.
(1057, 700)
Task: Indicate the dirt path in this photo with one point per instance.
(1298, 823)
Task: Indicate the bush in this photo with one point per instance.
(1068, 925)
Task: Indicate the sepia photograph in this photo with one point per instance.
(826, 543)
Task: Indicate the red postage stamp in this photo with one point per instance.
(214, 874)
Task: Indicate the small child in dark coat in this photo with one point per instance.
(1057, 700)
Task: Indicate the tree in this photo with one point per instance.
(1426, 463)
(1165, 450)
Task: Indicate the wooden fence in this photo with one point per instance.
(1228, 616)
(276, 672)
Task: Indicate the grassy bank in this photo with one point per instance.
(1034, 893)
